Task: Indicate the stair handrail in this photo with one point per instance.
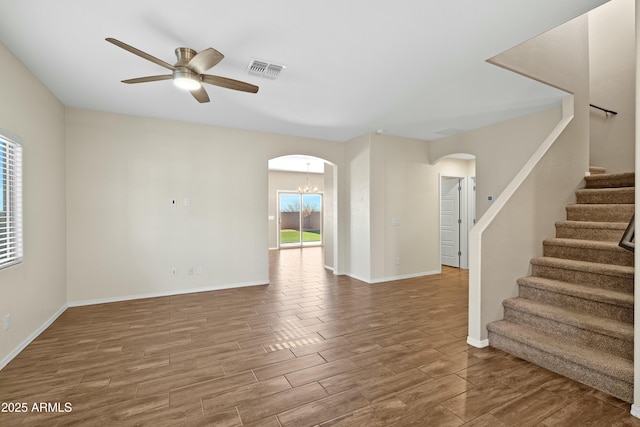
(607, 112)
(628, 240)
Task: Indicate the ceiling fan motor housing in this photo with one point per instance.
(184, 55)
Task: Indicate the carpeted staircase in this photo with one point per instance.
(574, 314)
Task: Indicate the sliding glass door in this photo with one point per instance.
(300, 221)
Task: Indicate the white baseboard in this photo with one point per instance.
(392, 278)
(4, 362)
(478, 344)
(166, 293)
(407, 276)
(355, 276)
(635, 411)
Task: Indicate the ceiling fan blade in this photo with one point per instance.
(148, 79)
(200, 94)
(140, 53)
(205, 60)
(229, 83)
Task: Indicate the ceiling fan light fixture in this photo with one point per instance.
(186, 79)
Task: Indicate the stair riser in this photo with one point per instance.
(597, 234)
(613, 345)
(618, 388)
(616, 283)
(605, 196)
(609, 344)
(626, 180)
(616, 256)
(581, 305)
(600, 213)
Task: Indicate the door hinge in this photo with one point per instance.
(459, 253)
(459, 221)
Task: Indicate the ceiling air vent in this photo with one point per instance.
(264, 69)
(256, 68)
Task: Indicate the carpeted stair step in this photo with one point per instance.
(603, 371)
(590, 230)
(596, 170)
(599, 333)
(614, 277)
(584, 299)
(624, 195)
(587, 250)
(600, 212)
(610, 180)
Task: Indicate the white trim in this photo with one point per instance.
(476, 343)
(329, 268)
(166, 293)
(362, 279)
(635, 411)
(477, 326)
(4, 362)
(392, 278)
(407, 276)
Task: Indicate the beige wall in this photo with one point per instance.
(357, 194)
(34, 292)
(404, 214)
(501, 150)
(612, 85)
(124, 236)
(330, 218)
(511, 231)
(394, 207)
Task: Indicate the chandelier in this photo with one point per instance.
(308, 188)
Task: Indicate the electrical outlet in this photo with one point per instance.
(7, 322)
(190, 271)
(199, 270)
(174, 271)
(397, 260)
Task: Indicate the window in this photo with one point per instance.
(10, 201)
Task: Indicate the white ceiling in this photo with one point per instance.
(297, 163)
(412, 68)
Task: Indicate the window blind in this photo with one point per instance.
(10, 202)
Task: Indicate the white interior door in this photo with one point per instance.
(450, 221)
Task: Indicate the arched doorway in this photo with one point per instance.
(302, 205)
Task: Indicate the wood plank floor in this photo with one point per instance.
(311, 348)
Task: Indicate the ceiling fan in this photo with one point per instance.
(188, 71)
